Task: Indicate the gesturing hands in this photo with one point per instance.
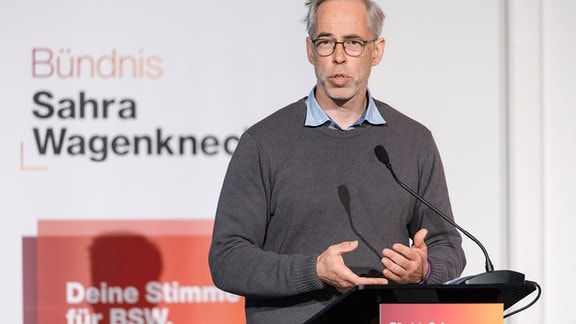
(402, 264)
(332, 270)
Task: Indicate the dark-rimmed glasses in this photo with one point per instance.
(352, 47)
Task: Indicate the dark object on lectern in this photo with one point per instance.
(493, 277)
(361, 304)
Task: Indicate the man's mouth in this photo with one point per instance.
(339, 79)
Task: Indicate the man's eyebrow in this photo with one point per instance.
(330, 35)
(325, 35)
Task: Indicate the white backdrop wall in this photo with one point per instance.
(559, 80)
(542, 151)
(445, 65)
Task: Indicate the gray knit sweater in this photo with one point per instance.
(291, 191)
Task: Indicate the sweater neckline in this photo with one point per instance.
(346, 133)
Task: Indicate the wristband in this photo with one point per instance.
(427, 274)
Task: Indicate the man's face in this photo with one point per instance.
(342, 78)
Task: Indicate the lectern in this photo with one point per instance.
(362, 304)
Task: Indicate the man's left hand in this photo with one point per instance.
(405, 264)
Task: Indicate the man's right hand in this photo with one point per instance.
(332, 270)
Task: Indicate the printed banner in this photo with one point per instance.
(149, 272)
(441, 313)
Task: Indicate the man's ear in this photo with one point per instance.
(378, 51)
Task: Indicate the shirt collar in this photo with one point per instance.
(315, 116)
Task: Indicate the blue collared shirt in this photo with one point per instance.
(315, 116)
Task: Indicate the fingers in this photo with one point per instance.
(405, 264)
(331, 269)
(402, 265)
(345, 247)
(370, 281)
(330, 265)
(419, 238)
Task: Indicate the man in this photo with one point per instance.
(307, 211)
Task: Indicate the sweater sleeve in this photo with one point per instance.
(238, 263)
(445, 253)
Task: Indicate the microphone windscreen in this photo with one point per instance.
(382, 155)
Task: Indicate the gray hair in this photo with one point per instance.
(375, 16)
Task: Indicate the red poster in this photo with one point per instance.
(128, 273)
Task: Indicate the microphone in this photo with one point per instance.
(488, 277)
